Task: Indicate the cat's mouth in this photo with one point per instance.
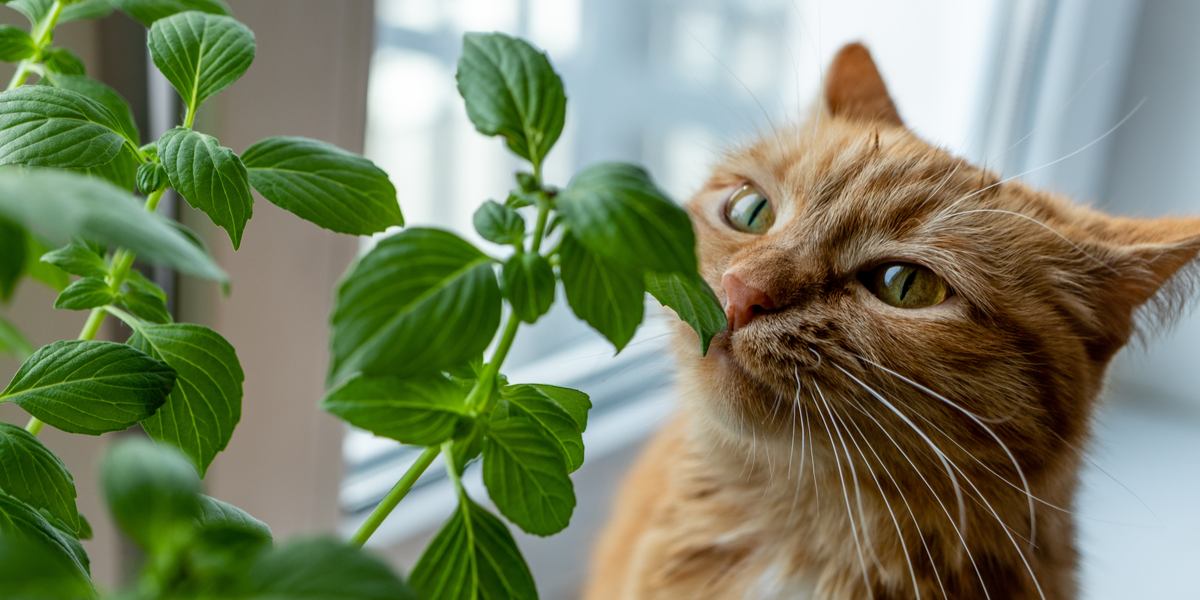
(771, 350)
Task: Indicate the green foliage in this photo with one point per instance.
(423, 411)
(29, 472)
(12, 341)
(607, 297)
(154, 496)
(47, 126)
(691, 298)
(149, 11)
(15, 44)
(209, 176)
(499, 224)
(473, 557)
(13, 257)
(35, 569)
(85, 293)
(200, 54)
(526, 475)
(322, 568)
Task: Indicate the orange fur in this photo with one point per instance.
(803, 462)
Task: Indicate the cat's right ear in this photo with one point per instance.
(855, 90)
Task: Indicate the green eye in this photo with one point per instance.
(749, 210)
(905, 285)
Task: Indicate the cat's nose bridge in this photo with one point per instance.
(767, 280)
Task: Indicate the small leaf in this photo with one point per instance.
(149, 11)
(15, 44)
(511, 90)
(206, 404)
(560, 412)
(217, 513)
(14, 248)
(526, 475)
(209, 176)
(32, 474)
(40, 570)
(12, 341)
(123, 121)
(692, 300)
(529, 285)
(34, 10)
(422, 411)
(84, 294)
(150, 177)
(90, 387)
(19, 521)
(617, 212)
(74, 206)
(200, 53)
(420, 301)
(44, 273)
(63, 61)
(152, 491)
(319, 569)
(85, 9)
(323, 184)
(46, 126)
(473, 557)
(608, 297)
(499, 224)
(79, 259)
(144, 299)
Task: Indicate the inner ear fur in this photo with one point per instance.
(855, 90)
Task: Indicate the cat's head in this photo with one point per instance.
(870, 273)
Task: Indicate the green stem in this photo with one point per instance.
(42, 33)
(189, 118)
(398, 492)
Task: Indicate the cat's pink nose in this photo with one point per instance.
(743, 302)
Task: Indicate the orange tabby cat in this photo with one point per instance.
(914, 350)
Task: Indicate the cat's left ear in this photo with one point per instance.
(855, 90)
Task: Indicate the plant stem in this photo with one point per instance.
(389, 502)
(42, 34)
(122, 262)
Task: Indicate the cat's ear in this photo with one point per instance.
(854, 89)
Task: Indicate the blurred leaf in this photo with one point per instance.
(150, 177)
(216, 513)
(12, 341)
(473, 557)
(210, 177)
(13, 257)
(44, 273)
(38, 569)
(84, 294)
(499, 224)
(63, 61)
(152, 491)
(525, 472)
(421, 411)
(90, 387)
(199, 53)
(144, 299)
(149, 11)
(15, 44)
(610, 298)
(529, 285)
(19, 521)
(32, 474)
(322, 569)
(691, 299)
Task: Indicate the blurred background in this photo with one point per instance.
(1096, 99)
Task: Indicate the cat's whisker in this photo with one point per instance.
(886, 502)
(862, 561)
(978, 421)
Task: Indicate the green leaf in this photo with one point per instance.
(152, 492)
(150, 177)
(44, 273)
(32, 474)
(422, 411)
(144, 299)
(200, 53)
(46, 126)
(123, 121)
(84, 294)
(560, 412)
(691, 299)
(19, 521)
(526, 475)
(499, 224)
(78, 258)
(617, 212)
(90, 387)
(75, 206)
(606, 296)
(217, 513)
(63, 61)
(323, 184)
(473, 557)
(121, 171)
(85, 9)
(420, 301)
(321, 569)
(529, 285)
(149, 11)
(34, 10)
(206, 403)
(39, 570)
(14, 248)
(209, 176)
(511, 90)
(12, 341)
(15, 44)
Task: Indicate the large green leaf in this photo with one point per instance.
(32, 474)
(608, 297)
(420, 301)
(14, 248)
(152, 491)
(691, 299)
(149, 11)
(210, 177)
(321, 569)
(529, 285)
(123, 121)
(422, 410)
(90, 387)
(560, 412)
(206, 404)
(511, 90)
(19, 520)
(46, 126)
(15, 44)
(617, 212)
(12, 341)
(526, 475)
(39, 570)
(473, 557)
(323, 184)
(200, 53)
(69, 206)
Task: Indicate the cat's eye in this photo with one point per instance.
(749, 210)
(907, 285)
